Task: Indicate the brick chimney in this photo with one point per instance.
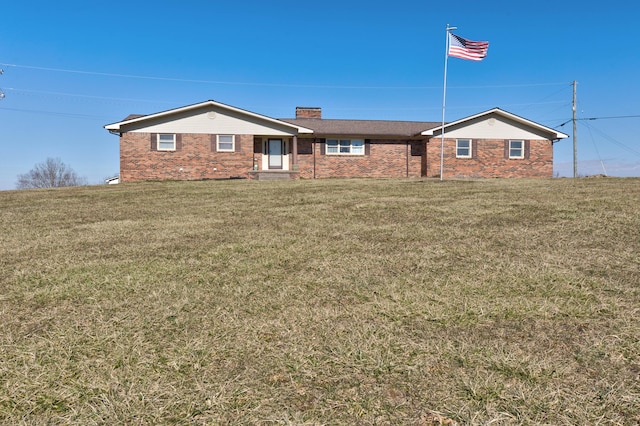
(308, 112)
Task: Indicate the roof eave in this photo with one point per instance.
(118, 125)
(554, 133)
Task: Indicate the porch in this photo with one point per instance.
(275, 158)
(274, 175)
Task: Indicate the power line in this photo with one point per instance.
(612, 140)
(240, 83)
(599, 118)
(106, 98)
(551, 96)
(615, 116)
(110, 99)
(122, 75)
(59, 114)
(595, 146)
(43, 92)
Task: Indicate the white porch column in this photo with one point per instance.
(294, 153)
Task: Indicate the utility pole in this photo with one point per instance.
(575, 136)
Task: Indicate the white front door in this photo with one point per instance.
(275, 155)
(275, 151)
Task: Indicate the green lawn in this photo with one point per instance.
(322, 302)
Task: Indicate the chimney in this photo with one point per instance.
(308, 112)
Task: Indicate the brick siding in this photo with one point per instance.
(385, 159)
(490, 161)
(197, 159)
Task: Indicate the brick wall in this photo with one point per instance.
(195, 159)
(386, 158)
(490, 161)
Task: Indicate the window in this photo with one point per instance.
(516, 149)
(345, 146)
(226, 143)
(166, 142)
(463, 148)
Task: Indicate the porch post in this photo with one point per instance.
(294, 153)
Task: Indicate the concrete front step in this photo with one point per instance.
(274, 175)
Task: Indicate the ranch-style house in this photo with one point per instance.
(212, 140)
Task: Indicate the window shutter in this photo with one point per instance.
(323, 146)
(257, 145)
(474, 149)
(178, 142)
(237, 142)
(527, 149)
(506, 149)
(367, 147)
(214, 141)
(154, 141)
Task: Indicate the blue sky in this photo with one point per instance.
(70, 67)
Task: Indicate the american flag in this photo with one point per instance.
(466, 49)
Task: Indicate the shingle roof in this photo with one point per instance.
(387, 128)
(132, 116)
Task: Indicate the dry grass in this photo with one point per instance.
(322, 302)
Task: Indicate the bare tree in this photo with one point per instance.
(52, 173)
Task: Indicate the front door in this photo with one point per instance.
(274, 152)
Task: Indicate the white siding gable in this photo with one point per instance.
(209, 120)
(494, 126)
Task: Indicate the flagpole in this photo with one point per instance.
(444, 101)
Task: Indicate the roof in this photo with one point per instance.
(554, 133)
(137, 118)
(361, 128)
(132, 116)
(388, 128)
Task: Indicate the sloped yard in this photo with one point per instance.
(322, 302)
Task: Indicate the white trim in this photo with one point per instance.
(339, 146)
(233, 144)
(470, 148)
(521, 156)
(118, 125)
(165, 149)
(554, 133)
